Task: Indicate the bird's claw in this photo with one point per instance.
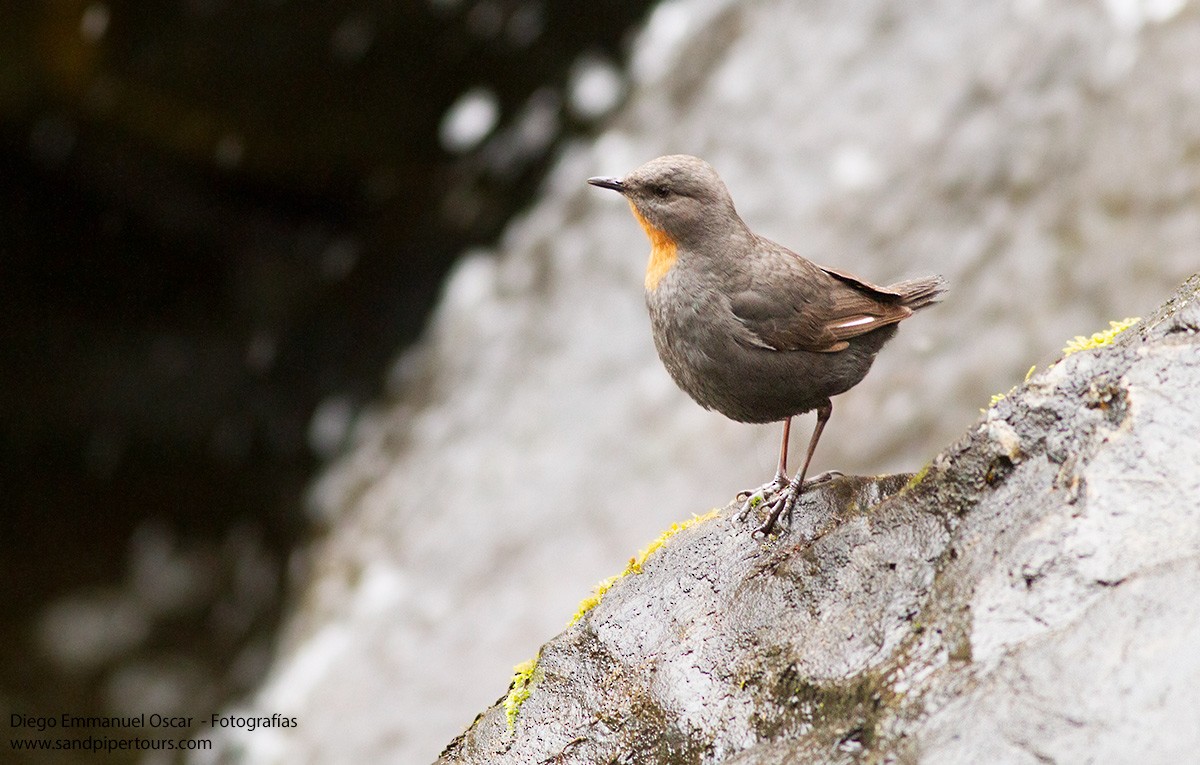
(784, 502)
(763, 493)
(828, 475)
(781, 508)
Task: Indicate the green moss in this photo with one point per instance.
(1099, 339)
(635, 564)
(519, 690)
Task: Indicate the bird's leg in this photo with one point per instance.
(775, 485)
(786, 502)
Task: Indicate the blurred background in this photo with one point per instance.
(326, 387)
(219, 222)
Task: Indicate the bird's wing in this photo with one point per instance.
(792, 304)
(884, 294)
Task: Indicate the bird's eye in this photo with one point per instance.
(661, 191)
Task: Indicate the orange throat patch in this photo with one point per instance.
(662, 251)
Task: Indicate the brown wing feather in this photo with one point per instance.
(793, 304)
(883, 294)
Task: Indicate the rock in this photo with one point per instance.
(1026, 598)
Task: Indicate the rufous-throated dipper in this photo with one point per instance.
(744, 325)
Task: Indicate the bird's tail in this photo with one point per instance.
(918, 293)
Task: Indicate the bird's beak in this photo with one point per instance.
(616, 184)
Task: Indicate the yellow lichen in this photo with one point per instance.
(1100, 339)
(593, 600)
(635, 564)
(1078, 343)
(522, 679)
(917, 477)
(518, 690)
(1074, 345)
(998, 397)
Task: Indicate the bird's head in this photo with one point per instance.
(678, 196)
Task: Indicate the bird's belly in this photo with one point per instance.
(748, 383)
(744, 386)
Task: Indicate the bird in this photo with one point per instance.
(747, 327)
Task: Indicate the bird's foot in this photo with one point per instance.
(784, 503)
(781, 508)
(764, 493)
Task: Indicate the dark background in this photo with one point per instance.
(216, 219)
